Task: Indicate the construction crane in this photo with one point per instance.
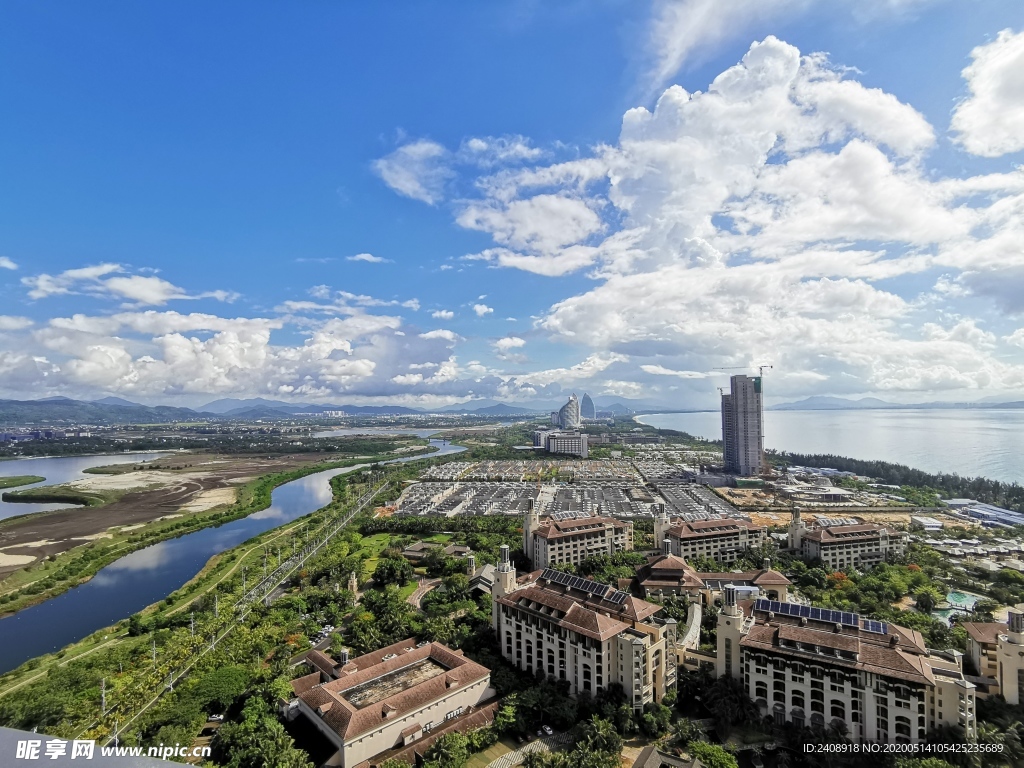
(760, 368)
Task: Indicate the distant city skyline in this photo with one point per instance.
(512, 202)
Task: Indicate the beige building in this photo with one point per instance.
(723, 539)
(861, 546)
(388, 698)
(574, 540)
(1010, 659)
(983, 646)
(812, 666)
(589, 634)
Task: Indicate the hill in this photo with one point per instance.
(56, 412)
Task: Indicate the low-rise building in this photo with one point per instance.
(818, 667)
(588, 634)
(861, 545)
(922, 523)
(722, 539)
(388, 698)
(573, 540)
(671, 575)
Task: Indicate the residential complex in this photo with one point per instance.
(722, 539)
(388, 698)
(561, 441)
(572, 539)
(844, 543)
(586, 633)
(813, 666)
(742, 426)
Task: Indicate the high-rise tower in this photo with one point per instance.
(742, 426)
(569, 414)
(587, 408)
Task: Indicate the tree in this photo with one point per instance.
(598, 735)
(451, 750)
(926, 599)
(393, 571)
(712, 755)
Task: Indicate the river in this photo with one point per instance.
(970, 442)
(57, 470)
(148, 575)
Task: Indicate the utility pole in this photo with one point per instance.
(216, 606)
(192, 624)
(103, 696)
(154, 653)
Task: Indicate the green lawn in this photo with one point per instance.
(489, 755)
(14, 482)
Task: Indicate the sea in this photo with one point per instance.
(970, 442)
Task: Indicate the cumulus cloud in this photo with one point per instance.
(509, 343)
(110, 281)
(418, 170)
(762, 214)
(482, 309)
(11, 323)
(682, 30)
(990, 121)
(6, 263)
(442, 314)
(369, 258)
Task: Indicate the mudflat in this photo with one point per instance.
(165, 488)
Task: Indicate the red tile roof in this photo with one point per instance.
(984, 633)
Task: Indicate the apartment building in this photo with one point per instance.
(723, 539)
(574, 539)
(861, 546)
(670, 575)
(589, 634)
(813, 666)
(983, 646)
(389, 698)
(743, 426)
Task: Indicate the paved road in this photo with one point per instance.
(516, 757)
(425, 586)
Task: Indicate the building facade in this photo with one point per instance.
(587, 408)
(550, 542)
(386, 699)
(569, 414)
(861, 546)
(588, 634)
(723, 539)
(811, 666)
(671, 576)
(743, 426)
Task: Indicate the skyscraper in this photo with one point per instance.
(587, 408)
(742, 426)
(569, 414)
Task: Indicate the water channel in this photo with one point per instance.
(57, 470)
(148, 575)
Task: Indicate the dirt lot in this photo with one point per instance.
(157, 492)
(781, 516)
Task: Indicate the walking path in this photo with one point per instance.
(516, 757)
(425, 586)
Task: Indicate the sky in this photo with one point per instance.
(422, 203)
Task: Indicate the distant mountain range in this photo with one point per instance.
(57, 411)
(820, 403)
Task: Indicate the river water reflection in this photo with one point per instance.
(148, 575)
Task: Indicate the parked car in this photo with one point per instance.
(547, 730)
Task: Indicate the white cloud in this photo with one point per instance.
(508, 343)
(441, 333)
(482, 309)
(660, 370)
(680, 31)
(990, 121)
(494, 150)
(1016, 338)
(442, 314)
(418, 170)
(6, 263)
(96, 281)
(542, 223)
(368, 257)
(11, 323)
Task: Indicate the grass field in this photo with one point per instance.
(14, 482)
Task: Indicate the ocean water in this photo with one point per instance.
(970, 442)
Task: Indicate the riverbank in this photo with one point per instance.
(59, 573)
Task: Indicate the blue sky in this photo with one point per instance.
(425, 202)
